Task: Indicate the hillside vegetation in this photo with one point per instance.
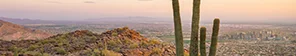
(117, 42)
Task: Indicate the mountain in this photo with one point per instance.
(30, 21)
(107, 20)
(10, 31)
(117, 42)
(132, 19)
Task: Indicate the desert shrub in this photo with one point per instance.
(293, 41)
(156, 50)
(61, 40)
(106, 52)
(92, 38)
(89, 32)
(33, 53)
(14, 49)
(33, 47)
(134, 45)
(87, 53)
(60, 50)
(112, 43)
(64, 36)
(117, 49)
(48, 41)
(15, 54)
(100, 44)
(154, 41)
(60, 44)
(145, 44)
(118, 41)
(127, 41)
(114, 34)
(95, 52)
(46, 54)
(45, 41)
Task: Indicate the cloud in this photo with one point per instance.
(145, 0)
(89, 2)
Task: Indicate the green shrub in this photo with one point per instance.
(62, 40)
(109, 53)
(156, 51)
(33, 53)
(48, 41)
(114, 33)
(88, 53)
(117, 49)
(96, 52)
(145, 44)
(61, 51)
(112, 42)
(46, 54)
(134, 45)
(14, 49)
(33, 47)
(127, 41)
(154, 41)
(60, 44)
(15, 54)
(293, 41)
(100, 44)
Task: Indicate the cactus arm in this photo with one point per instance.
(195, 28)
(178, 29)
(203, 34)
(214, 37)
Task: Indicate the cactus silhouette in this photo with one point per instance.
(195, 28)
(178, 29)
(203, 34)
(194, 32)
(214, 37)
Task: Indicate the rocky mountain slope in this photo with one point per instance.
(10, 31)
(117, 42)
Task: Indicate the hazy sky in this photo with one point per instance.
(227, 10)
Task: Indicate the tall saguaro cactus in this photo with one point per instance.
(178, 29)
(214, 37)
(194, 51)
(203, 34)
(195, 28)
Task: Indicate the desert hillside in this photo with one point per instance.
(10, 31)
(117, 42)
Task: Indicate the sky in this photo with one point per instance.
(227, 10)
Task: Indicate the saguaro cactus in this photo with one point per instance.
(195, 28)
(203, 35)
(178, 29)
(214, 37)
(213, 41)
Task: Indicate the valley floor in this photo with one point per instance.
(256, 48)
